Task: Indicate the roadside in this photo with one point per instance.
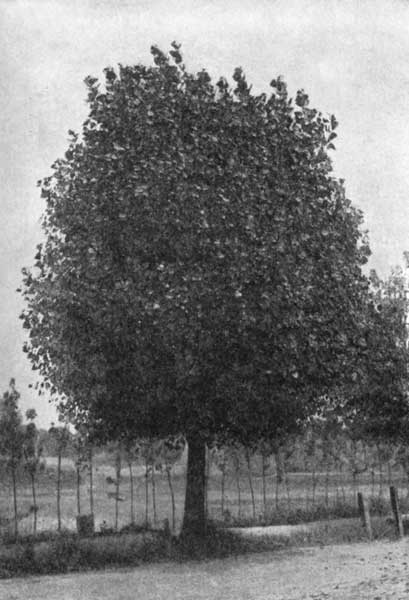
(375, 571)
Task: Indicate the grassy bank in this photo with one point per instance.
(67, 552)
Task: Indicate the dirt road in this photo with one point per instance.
(376, 571)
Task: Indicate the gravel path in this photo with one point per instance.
(373, 571)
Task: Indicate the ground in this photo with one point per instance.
(366, 571)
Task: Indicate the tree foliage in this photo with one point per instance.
(380, 406)
(200, 258)
(11, 427)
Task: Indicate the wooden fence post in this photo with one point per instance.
(364, 514)
(396, 511)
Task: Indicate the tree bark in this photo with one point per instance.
(287, 489)
(91, 483)
(223, 481)
(117, 484)
(341, 470)
(253, 503)
(263, 479)
(59, 492)
(278, 479)
(314, 481)
(326, 485)
(131, 484)
(238, 486)
(207, 482)
(153, 482)
(194, 520)
(146, 493)
(78, 490)
(390, 477)
(172, 496)
(380, 470)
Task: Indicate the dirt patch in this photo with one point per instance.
(375, 571)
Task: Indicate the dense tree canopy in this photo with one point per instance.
(379, 404)
(202, 267)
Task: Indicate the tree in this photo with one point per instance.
(250, 478)
(201, 273)
(81, 447)
(32, 452)
(378, 404)
(131, 454)
(171, 450)
(61, 436)
(11, 439)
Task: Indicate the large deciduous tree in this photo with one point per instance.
(201, 272)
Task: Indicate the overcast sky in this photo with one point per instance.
(352, 58)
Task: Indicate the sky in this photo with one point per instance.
(351, 57)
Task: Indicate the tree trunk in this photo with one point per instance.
(341, 470)
(263, 479)
(194, 520)
(207, 482)
(146, 493)
(116, 505)
(306, 486)
(314, 482)
(117, 484)
(253, 502)
(131, 485)
(380, 471)
(33, 491)
(326, 484)
(336, 491)
(13, 477)
(153, 480)
(78, 491)
(390, 477)
(277, 481)
(222, 488)
(59, 492)
(287, 489)
(172, 496)
(407, 478)
(91, 483)
(238, 486)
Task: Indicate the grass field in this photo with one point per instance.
(296, 499)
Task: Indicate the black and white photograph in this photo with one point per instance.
(204, 299)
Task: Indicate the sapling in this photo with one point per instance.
(81, 460)
(235, 453)
(171, 451)
(250, 478)
(263, 479)
(61, 437)
(12, 439)
(118, 469)
(131, 453)
(32, 455)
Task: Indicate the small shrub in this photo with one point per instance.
(379, 506)
(85, 525)
(134, 528)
